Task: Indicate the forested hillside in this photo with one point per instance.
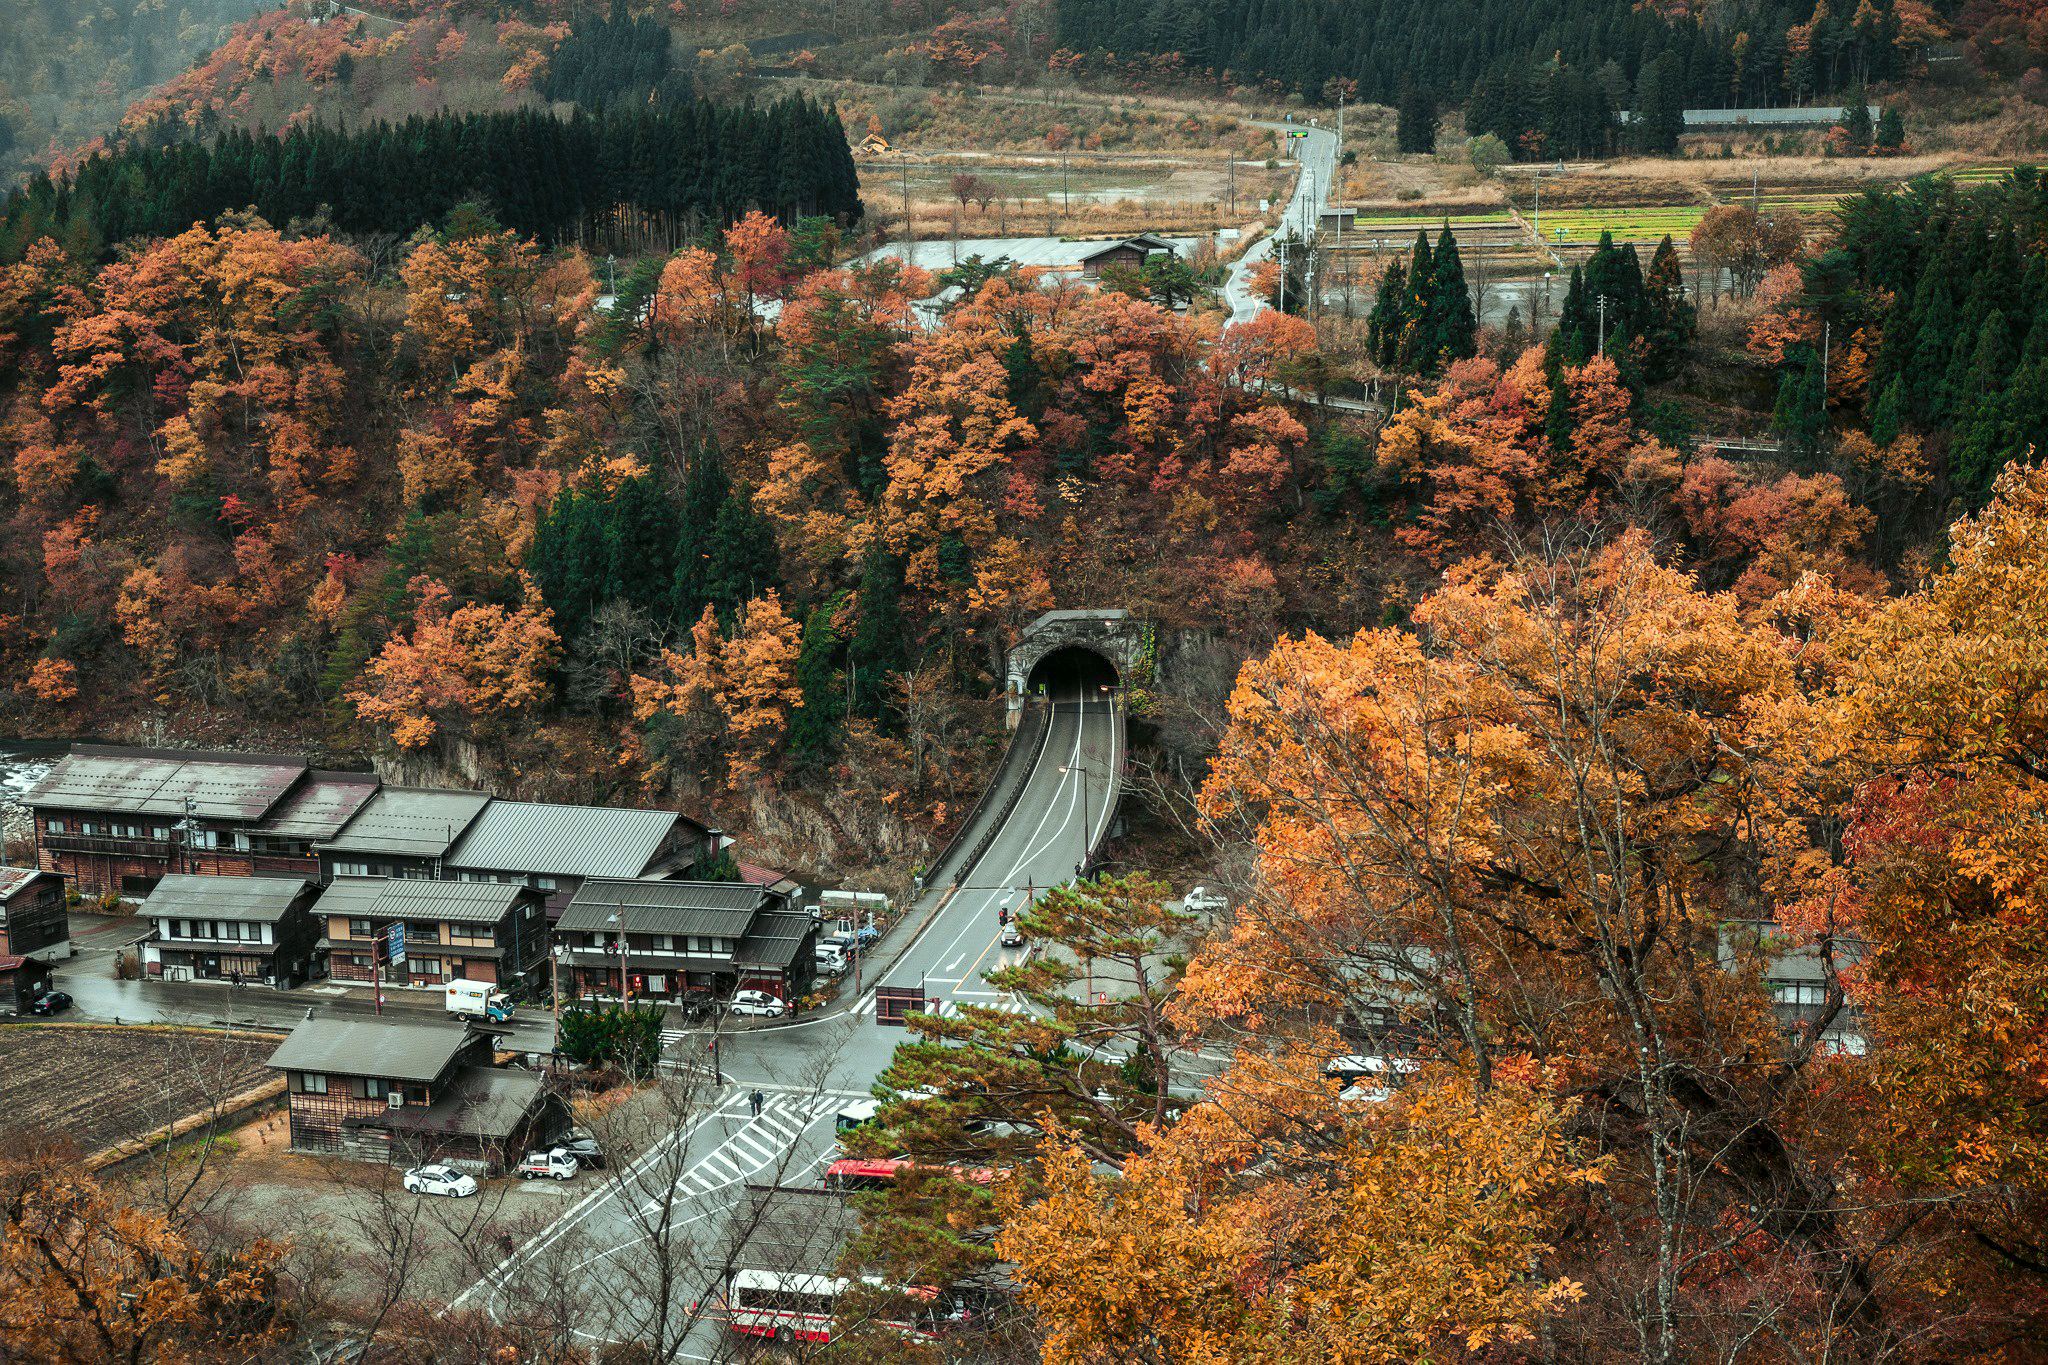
(68, 72)
(632, 175)
(1748, 55)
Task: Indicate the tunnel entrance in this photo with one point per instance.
(1070, 672)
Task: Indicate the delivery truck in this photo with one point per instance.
(477, 1000)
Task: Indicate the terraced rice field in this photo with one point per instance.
(1582, 227)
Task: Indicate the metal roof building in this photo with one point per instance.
(384, 1048)
(320, 806)
(704, 909)
(775, 941)
(413, 822)
(410, 898)
(221, 786)
(564, 841)
(182, 895)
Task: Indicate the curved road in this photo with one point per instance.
(1318, 156)
(686, 1186)
(1069, 789)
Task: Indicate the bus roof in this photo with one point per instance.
(802, 1284)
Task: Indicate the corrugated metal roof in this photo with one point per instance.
(563, 841)
(414, 822)
(479, 1101)
(372, 1047)
(414, 898)
(318, 807)
(775, 940)
(157, 782)
(181, 895)
(12, 879)
(723, 909)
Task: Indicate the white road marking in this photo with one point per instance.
(781, 1115)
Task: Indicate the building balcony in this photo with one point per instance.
(154, 849)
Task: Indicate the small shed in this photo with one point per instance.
(1134, 252)
(22, 980)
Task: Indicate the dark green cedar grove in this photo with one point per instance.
(648, 177)
(1447, 46)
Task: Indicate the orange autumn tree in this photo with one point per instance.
(955, 427)
(728, 701)
(1523, 832)
(1946, 873)
(86, 1279)
(461, 673)
(1278, 1224)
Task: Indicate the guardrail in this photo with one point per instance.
(1032, 728)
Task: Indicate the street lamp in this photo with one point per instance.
(1087, 826)
(555, 961)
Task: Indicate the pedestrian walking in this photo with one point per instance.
(755, 1100)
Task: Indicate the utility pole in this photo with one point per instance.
(1603, 324)
(1066, 192)
(1233, 184)
(1283, 274)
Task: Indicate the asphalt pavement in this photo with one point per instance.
(808, 1067)
(1317, 153)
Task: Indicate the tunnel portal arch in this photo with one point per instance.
(1110, 636)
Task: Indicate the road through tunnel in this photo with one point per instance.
(1071, 673)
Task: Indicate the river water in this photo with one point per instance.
(22, 764)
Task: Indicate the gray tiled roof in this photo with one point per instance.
(563, 841)
(415, 898)
(479, 1101)
(181, 895)
(721, 909)
(417, 1052)
(774, 941)
(12, 879)
(318, 807)
(414, 822)
(157, 781)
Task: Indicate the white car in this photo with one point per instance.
(1203, 901)
(440, 1180)
(756, 1002)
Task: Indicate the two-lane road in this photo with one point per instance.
(1317, 152)
(1061, 816)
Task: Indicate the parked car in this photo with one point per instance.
(756, 1002)
(555, 1164)
(584, 1149)
(830, 961)
(50, 1002)
(844, 943)
(1203, 901)
(444, 1180)
(1012, 937)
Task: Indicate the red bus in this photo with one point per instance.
(858, 1174)
(763, 1303)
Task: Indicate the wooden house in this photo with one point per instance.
(406, 1093)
